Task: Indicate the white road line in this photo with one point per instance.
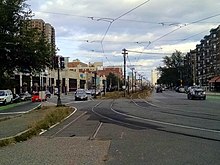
(165, 123)
(97, 130)
(58, 122)
(69, 124)
(117, 121)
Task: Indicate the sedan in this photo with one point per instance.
(25, 96)
(80, 94)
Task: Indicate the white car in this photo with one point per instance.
(6, 96)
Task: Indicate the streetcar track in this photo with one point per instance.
(165, 123)
(155, 122)
(172, 113)
(67, 125)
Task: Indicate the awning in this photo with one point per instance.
(215, 79)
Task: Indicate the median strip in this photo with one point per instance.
(42, 119)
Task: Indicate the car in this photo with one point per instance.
(6, 96)
(39, 96)
(196, 92)
(25, 96)
(180, 89)
(48, 94)
(16, 98)
(159, 89)
(80, 94)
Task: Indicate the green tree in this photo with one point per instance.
(113, 81)
(21, 47)
(173, 70)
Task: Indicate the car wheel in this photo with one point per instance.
(190, 97)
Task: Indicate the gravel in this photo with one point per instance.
(56, 151)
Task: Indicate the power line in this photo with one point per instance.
(185, 26)
(113, 20)
(132, 10)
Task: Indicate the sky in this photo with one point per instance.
(98, 30)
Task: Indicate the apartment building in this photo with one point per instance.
(205, 59)
(46, 29)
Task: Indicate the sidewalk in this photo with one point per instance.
(212, 93)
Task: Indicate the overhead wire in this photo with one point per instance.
(113, 20)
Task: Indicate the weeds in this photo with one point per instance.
(52, 116)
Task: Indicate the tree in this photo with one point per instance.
(173, 71)
(21, 47)
(113, 81)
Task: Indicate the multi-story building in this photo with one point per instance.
(154, 77)
(47, 30)
(205, 59)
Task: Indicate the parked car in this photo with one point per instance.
(6, 96)
(80, 94)
(48, 94)
(39, 96)
(25, 96)
(195, 92)
(16, 98)
(180, 89)
(159, 89)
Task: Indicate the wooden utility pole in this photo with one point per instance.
(124, 52)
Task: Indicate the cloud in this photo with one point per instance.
(156, 27)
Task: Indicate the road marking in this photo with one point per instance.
(122, 135)
(117, 121)
(68, 124)
(43, 131)
(96, 131)
(165, 123)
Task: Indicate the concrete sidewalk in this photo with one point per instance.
(212, 93)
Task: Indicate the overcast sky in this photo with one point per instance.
(98, 30)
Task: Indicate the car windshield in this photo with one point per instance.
(80, 92)
(2, 93)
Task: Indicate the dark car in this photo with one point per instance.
(25, 96)
(159, 89)
(80, 94)
(196, 92)
(16, 98)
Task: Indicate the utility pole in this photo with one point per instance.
(124, 55)
(135, 74)
(132, 78)
(95, 83)
(128, 85)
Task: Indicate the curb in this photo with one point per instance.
(23, 132)
(11, 113)
(43, 131)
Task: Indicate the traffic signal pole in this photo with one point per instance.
(59, 103)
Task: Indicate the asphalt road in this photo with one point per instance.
(165, 129)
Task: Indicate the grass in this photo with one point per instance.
(4, 107)
(52, 115)
(120, 94)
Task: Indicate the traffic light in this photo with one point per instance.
(62, 63)
(55, 62)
